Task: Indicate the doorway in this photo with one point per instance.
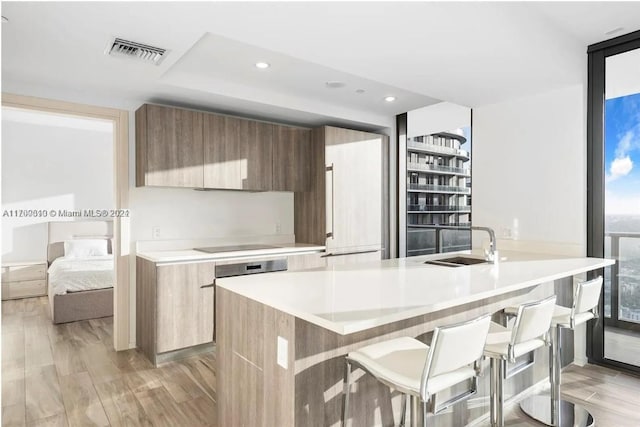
(120, 177)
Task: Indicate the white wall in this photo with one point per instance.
(529, 165)
(188, 214)
(440, 117)
(66, 165)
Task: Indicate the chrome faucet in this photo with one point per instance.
(492, 254)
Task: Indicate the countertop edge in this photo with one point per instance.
(226, 256)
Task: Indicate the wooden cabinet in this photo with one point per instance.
(353, 162)
(237, 153)
(24, 279)
(306, 261)
(184, 148)
(169, 147)
(291, 158)
(174, 307)
(343, 208)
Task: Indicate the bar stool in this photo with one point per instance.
(551, 410)
(420, 371)
(530, 331)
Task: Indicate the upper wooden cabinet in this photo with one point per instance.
(168, 147)
(185, 148)
(291, 158)
(237, 153)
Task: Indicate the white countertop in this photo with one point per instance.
(190, 255)
(352, 298)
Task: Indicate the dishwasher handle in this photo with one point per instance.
(244, 268)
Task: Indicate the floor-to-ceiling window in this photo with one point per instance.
(614, 195)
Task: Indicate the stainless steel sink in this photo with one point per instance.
(456, 261)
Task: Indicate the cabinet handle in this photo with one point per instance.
(210, 285)
(332, 254)
(330, 168)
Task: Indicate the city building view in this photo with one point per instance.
(439, 192)
(622, 209)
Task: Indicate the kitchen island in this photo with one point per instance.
(282, 337)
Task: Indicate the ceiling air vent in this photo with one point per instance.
(120, 47)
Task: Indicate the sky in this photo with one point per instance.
(622, 155)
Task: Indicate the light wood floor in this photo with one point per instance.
(69, 375)
(59, 375)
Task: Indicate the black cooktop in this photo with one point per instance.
(218, 249)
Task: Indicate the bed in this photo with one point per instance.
(80, 276)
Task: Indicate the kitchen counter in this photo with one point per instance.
(286, 334)
(191, 255)
(353, 298)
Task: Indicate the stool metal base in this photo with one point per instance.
(539, 408)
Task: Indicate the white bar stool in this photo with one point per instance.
(505, 345)
(551, 410)
(420, 371)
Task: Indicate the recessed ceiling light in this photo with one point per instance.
(614, 31)
(262, 65)
(5, 19)
(389, 98)
(359, 91)
(335, 84)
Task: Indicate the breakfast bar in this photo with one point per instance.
(282, 337)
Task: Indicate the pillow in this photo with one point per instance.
(83, 248)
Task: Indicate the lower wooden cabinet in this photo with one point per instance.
(306, 261)
(174, 306)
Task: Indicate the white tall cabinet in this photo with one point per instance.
(343, 209)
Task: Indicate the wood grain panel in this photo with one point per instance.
(184, 314)
(247, 349)
(309, 212)
(386, 206)
(31, 288)
(141, 145)
(120, 404)
(146, 307)
(356, 191)
(13, 415)
(82, 404)
(222, 162)
(291, 158)
(174, 147)
(257, 149)
(277, 378)
(237, 153)
(305, 262)
(42, 393)
(18, 273)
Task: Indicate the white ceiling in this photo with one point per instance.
(471, 53)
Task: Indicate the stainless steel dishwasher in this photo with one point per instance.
(251, 267)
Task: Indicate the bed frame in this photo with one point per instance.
(81, 305)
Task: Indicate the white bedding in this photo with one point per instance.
(74, 274)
